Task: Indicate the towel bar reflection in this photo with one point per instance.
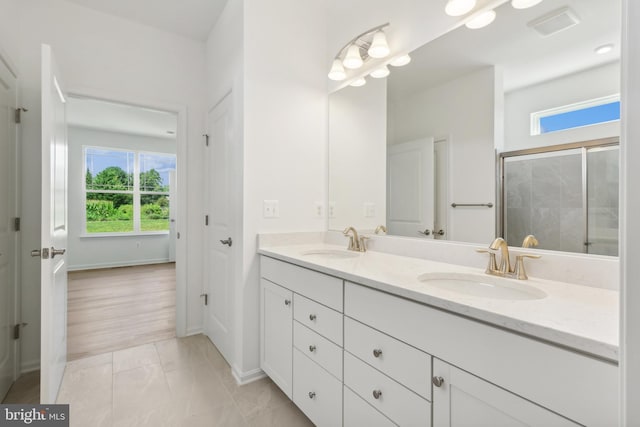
(488, 205)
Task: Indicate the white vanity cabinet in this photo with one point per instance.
(461, 399)
(302, 337)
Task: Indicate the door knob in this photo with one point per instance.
(228, 242)
(426, 232)
(437, 381)
(439, 232)
(55, 252)
(44, 253)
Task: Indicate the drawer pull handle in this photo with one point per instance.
(377, 394)
(287, 302)
(437, 381)
(377, 352)
(312, 394)
(312, 317)
(312, 348)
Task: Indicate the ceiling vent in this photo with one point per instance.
(554, 22)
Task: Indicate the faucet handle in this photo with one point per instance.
(363, 243)
(492, 267)
(519, 272)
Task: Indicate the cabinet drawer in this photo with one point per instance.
(319, 349)
(316, 392)
(358, 413)
(317, 286)
(317, 317)
(405, 364)
(397, 402)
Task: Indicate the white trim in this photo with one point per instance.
(131, 234)
(182, 138)
(30, 366)
(243, 378)
(195, 331)
(117, 264)
(536, 116)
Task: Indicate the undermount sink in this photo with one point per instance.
(331, 253)
(480, 285)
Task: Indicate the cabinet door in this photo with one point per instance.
(465, 400)
(276, 334)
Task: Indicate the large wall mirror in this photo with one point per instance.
(507, 130)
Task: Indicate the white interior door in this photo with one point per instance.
(410, 188)
(53, 340)
(219, 229)
(8, 239)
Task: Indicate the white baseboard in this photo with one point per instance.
(117, 264)
(243, 378)
(29, 366)
(194, 331)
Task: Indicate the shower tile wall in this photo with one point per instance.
(544, 197)
(603, 180)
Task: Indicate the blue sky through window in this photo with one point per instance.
(582, 117)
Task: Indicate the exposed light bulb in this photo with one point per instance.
(379, 47)
(353, 59)
(524, 4)
(359, 82)
(401, 60)
(459, 7)
(380, 72)
(337, 71)
(605, 48)
(481, 20)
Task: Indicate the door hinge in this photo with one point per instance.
(206, 220)
(206, 139)
(18, 114)
(16, 224)
(16, 330)
(206, 298)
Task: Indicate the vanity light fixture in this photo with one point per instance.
(337, 71)
(361, 81)
(459, 7)
(524, 4)
(370, 44)
(401, 61)
(605, 48)
(380, 72)
(379, 47)
(481, 20)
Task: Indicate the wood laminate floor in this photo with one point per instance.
(117, 308)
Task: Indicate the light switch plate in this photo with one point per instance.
(332, 209)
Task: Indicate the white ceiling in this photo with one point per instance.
(123, 118)
(190, 18)
(525, 57)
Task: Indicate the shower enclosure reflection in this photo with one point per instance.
(567, 196)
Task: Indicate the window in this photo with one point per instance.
(127, 191)
(572, 116)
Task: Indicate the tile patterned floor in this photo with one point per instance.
(180, 382)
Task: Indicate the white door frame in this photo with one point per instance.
(17, 267)
(181, 162)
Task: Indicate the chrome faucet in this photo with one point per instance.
(356, 242)
(505, 269)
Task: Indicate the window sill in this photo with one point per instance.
(132, 234)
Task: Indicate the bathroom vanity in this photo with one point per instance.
(366, 339)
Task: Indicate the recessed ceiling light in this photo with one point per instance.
(524, 4)
(459, 7)
(481, 20)
(605, 48)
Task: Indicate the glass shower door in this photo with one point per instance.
(602, 200)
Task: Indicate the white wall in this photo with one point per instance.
(462, 110)
(96, 252)
(358, 155)
(118, 59)
(271, 54)
(583, 86)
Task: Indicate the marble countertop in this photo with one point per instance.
(579, 317)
